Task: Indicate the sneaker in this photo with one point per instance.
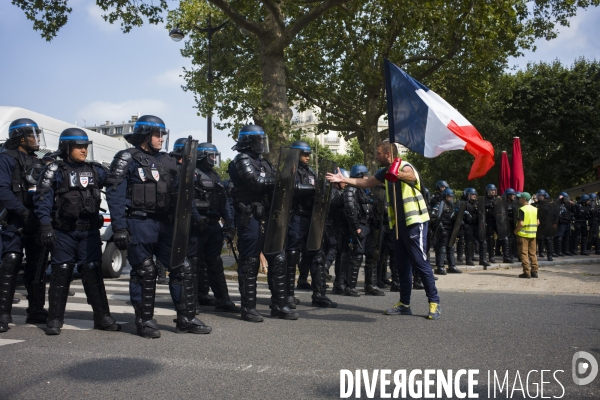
(534, 275)
(524, 276)
(398, 309)
(434, 311)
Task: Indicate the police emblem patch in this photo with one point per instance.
(311, 180)
(83, 180)
(155, 174)
(142, 174)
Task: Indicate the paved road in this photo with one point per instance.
(300, 359)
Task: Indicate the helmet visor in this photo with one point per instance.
(159, 139)
(213, 157)
(260, 144)
(34, 137)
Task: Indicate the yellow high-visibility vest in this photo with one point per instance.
(415, 209)
(529, 229)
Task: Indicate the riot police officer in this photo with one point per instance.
(545, 244)
(339, 227)
(210, 199)
(253, 180)
(304, 195)
(438, 195)
(67, 203)
(375, 240)
(512, 208)
(565, 217)
(490, 219)
(358, 212)
(19, 172)
(582, 214)
(443, 217)
(140, 187)
(335, 218)
(595, 222)
(472, 231)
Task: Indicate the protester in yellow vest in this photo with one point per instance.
(410, 218)
(526, 230)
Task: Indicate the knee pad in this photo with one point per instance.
(249, 265)
(147, 269)
(11, 263)
(91, 271)
(62, 274)
(279, 264)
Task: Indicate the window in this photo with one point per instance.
(118, 130)
(105, 131)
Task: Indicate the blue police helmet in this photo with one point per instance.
(541, 192)
(447, 192)
(345, 173)
(584, 198)
(471, 191)
(302, 145)
(253, 138)
(441, 184)
(24, 127)
(509, 191)
(358, 171)
(593, 196)
(144, 126)
(208, 153)
(178, 147)
(490, 186)
(71, 136)
(565, 195)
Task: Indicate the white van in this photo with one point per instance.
(102, 150)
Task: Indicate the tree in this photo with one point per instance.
(456, 47)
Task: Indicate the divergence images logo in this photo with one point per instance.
(584, 363)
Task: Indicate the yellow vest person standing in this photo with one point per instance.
(526, 230)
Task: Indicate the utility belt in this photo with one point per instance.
(140, 214)
(256, 210)
(66, 225)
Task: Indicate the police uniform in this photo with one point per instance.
(140, 189)
(444, 217)
(565, 217)
(253, 180)
(67, 203)
(374, 242)
(583, 216)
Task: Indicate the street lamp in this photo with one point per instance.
(177, 34)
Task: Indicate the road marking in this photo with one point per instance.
(113, 309)
(69, 324)
(4, 342)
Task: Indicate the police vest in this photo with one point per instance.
(153, 194)
(304, 205)
(79, 194)
(209, 195)
(25, 176)
(242, 193)
(415, 209)
(529, 229)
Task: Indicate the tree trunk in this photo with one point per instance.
(372, 138)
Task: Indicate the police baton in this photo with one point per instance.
(232, 250)
(42, 264)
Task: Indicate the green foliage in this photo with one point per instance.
(222, 169)
(354, 155)
(553, 109)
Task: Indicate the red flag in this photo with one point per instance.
(518, 175)
(504, 173)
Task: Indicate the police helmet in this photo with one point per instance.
(209, 154)
(594, 197)
(145, 126)
(565, 195)
(25, 128)
(72, 136)
(302, 145)
(253, 138)
(447, 192)
(178, 147)
(584, 198)
(541, 194)
(509, 192)
(490, 187)
(345, 173)
(359, 171)
(441, 184)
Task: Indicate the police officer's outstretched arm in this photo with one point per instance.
(245, 170)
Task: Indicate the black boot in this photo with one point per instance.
(9, 270)
(483, 256)
(549, 248)
(278, 285)
(93, 285)
(36, 295)
(319, 297)
(452, 262)
(353, 269)
(222, 302)
(440, 256)
(584, 248)
(186, 321)
(511, 249)
(204, 298)
(566, 246)
(194, 263)
(506, 256)
(248, 272)
(475, 250)
(292, 258)
(498, 247)
(491, 252)
(541, 252)
(371, 288)
(469, 253)
(417, 282)
(558, 247)
(341, 271)
(303, 276)
(144, 311)
(460, 249)
(60, 281)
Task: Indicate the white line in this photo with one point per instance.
(69, 324)
(113, 309)
(4, 342)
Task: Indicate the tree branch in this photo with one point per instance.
(336, 128)
(238, 18)
(417, 59)
(275, 12)
(310, 16)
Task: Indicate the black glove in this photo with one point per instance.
(121, 238)
(228, 233)
(361, 235)
(47, 236)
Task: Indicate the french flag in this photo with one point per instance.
(425, 123)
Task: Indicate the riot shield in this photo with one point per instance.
(481, 217)
(183, 207)
(281, 204)
(548, 216)
(320, 205)
(457, 223)
(501, 217)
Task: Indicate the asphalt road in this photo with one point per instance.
(502, 331)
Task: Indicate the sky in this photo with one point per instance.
(92, 72)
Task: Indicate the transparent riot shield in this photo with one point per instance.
(481, 217)
(320, 206)
(457, 223)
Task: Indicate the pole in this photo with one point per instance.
(210, 79)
